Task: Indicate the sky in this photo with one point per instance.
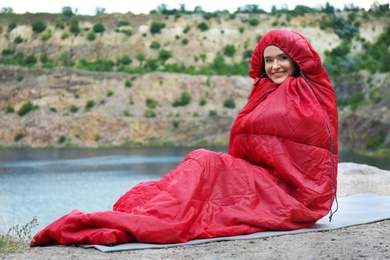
(88, 7)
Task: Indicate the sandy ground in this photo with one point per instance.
(369, 241)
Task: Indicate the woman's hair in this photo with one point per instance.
(297, 70)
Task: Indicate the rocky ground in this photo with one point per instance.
(368, 241)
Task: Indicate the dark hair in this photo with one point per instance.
(297, 70)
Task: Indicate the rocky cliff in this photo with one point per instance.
(67, 106)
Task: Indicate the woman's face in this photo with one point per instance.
(278, 65)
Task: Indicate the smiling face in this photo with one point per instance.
(277, 64)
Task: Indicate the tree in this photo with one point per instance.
(67, 11)
(38, 26)
(7, 10)
(141, 58)
(164, 55)
(156, 27)
(99, 28)
(229, 50)
(100, 10)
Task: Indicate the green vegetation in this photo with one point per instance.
(109, 93)
(155, 45)
(46, 36)
(91, 36)
(203, 26)
(184, 100)
(20, 78)
(74, 27)
(27, 107)
(61, 139)
(9, 109)
(99, 28)
(90, 104)
(74, 109)
(229, 50)
(38, 26)
(151, 103)
(156, 27)
(17, 238)
(18, 39)
(229, 103)
(18, 136)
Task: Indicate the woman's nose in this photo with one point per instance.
(276, 64)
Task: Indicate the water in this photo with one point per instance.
(49, 183)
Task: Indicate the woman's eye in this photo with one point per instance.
(284, 58)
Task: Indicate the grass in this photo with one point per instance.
(18, 237)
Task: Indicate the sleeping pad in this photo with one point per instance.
(279, 173)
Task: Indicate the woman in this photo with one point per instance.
(279, 173)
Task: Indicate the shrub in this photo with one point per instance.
(109, 93)
(229, 103)
(164, 55)
(155, 45)
(18, 39)
(149, 113)
(38, 26)
(74, 26)
(247, 54)
(46, 36)
(127, 32)
(6, 52)
(212, 113)
(203, 26)
(253, 21)
(98, 65)
(126, 60)
(151, 103)
(229, 50)
(61, 139)
(207, 15)
(184, 41)
(47, 63)
(59, 24)
(74, 109)
(126, 113)
(30, 60)
(91, 36)
(122, 23)
(89, 105)
(99, 28)
(374, 142)
(18, 136)
(184, 100)
(128, 84)
(151, 64)
(187, 29)
(11, 26)
(202, 102)
(9, 109)
(27, 107)
(64, 36)
(20, 78)
(156, 27)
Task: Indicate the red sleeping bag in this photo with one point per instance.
(279, 173)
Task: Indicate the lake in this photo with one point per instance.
(49, 183)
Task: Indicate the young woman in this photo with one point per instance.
(279, 173)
